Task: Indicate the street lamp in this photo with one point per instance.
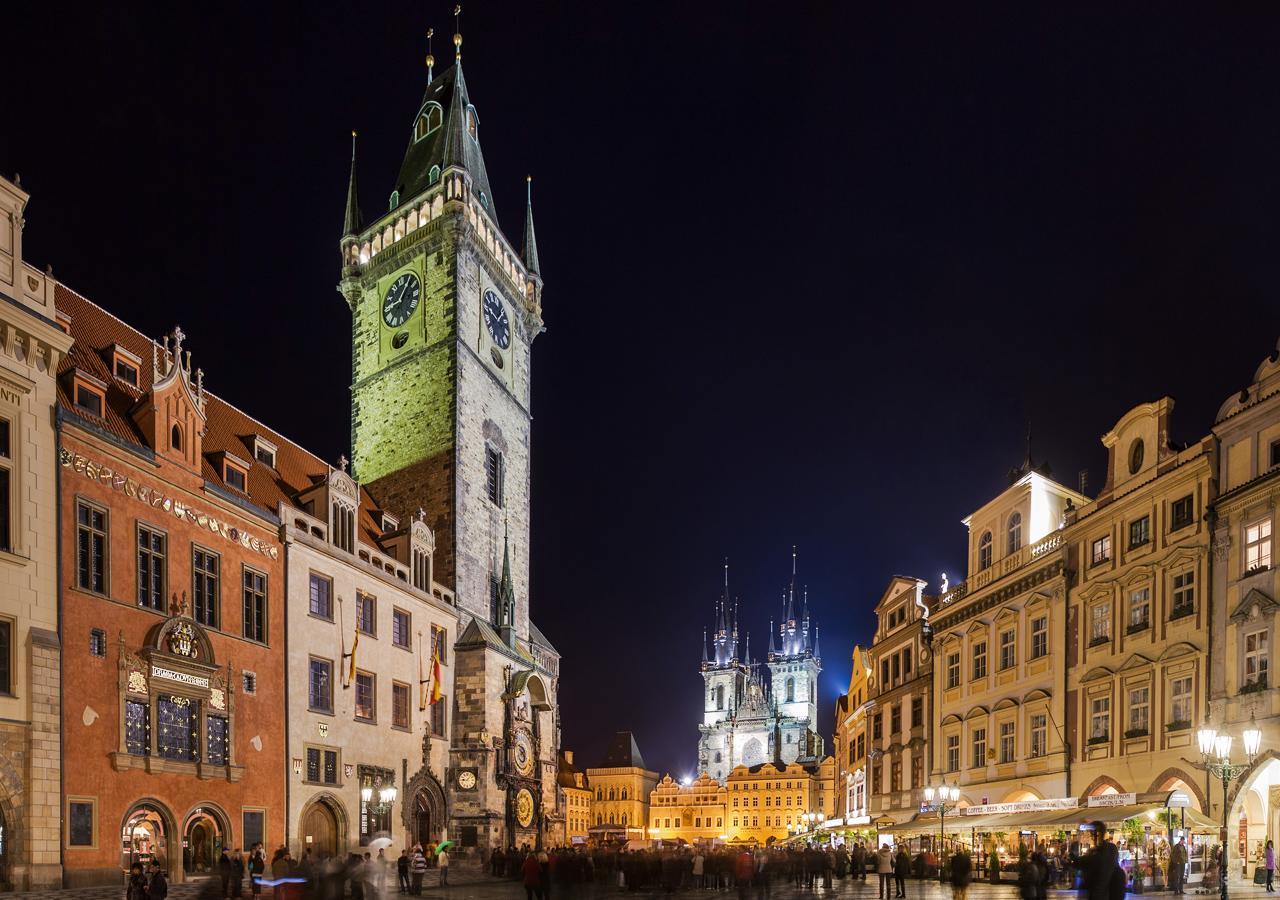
(1215, 750)
(942, 798)
(386, 797)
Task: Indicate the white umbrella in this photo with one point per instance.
(379, 843)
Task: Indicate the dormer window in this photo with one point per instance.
(472, 122)
(389, 523)
(484, 201)
(264, 451)
(234, 476)
(88, 399)
(429, 120)
(434, 175)
(125, 365)
(394, 201)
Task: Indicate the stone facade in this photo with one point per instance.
(32, 346)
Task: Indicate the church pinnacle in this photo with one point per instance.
(352, 222)
(529, 250)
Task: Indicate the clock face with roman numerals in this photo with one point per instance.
(495, 319)
(401, 300)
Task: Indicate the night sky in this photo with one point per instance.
(809, 268)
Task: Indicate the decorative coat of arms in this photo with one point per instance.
(182, 640)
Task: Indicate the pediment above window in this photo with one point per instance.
(1254, 606)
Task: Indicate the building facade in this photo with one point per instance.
(899, 710)
(998, 640)
(769, 803)
(444, 312)
(622, 786)
(32, 348)
(1137, 643)
(371, 653)
(575, 790)
(693, 812)
(172, 611)
(849, 743)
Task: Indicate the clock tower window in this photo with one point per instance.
(495, 472)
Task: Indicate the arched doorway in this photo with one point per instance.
(205, 832)
(323, 829)
(146, 835)
(423, 830)
(1252, 815)
(425, 815)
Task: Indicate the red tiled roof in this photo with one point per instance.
(226, 428)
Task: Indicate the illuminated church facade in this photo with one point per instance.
(759, 711)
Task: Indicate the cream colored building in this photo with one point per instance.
(575, 790)
(770, 801)
(693, 812)
(998, 649)
(1246, 591)
(622, 789)
(900, 701)
(356, 572)
(1137, 645)
(31, 346)
(850, 743)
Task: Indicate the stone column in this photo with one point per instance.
(44, 763)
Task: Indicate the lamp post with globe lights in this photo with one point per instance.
(942, 798)
(386, 797)
(1215, 750)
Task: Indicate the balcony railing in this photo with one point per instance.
(1010, 564)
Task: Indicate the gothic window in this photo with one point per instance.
(179, 721)
(175, 437)
(472, 123)
(984, 550)
(429, 120)
(791, 690)
(624, 794)
(434, 175)
(1015, 533)
(720, 696)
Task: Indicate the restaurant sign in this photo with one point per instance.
(1021, 806)
(1128, 799)
(157, 499)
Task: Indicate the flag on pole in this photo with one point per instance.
(355, 642)
(437, 689)
(422, 682)
(342, 644)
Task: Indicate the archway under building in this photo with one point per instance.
(1251, 816)
(323, 826)
(205, 832)
(1020, 795)
(147, 833)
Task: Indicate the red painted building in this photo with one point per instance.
(172, 609)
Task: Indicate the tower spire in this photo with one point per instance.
(352, 222)
(772, 646)
(431, 60)
(507, 593)
(704, 646)
(457, 33)
(529, 251)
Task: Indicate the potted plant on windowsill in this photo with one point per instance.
(1136, 733)
(1099, 739)
(1099, 640)
(1135, 627)
(1178, 726)
(1252, 687)
(1181, 612)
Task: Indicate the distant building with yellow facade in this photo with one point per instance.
(771, 802)
(575, 791)
(850, 744)
(621, 789)
(692, 812)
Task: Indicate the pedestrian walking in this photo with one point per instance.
(901, 867)
(402, 870)
(961, 873)
(237, 874)
(417, 868)
(531, 877)
(442, 861)
(1270, 861)
(884, 868)
(157, 885)
(257, 865)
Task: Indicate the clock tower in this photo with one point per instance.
(444, 311)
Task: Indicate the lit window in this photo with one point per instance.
(429, 120)
(984, 550)
(1099, 719)
(88, 400)
(320, 685)
(1139, 711)
(1139, 609)
(979, 747)
(1099, 623)
(1100, 551)
(1180, 702)
(1257, 546)
(1015, 533)
(1007, 742)
(1256, 658)
(979, 660)
(1008, 649)
(471, 121)
(1039, 637)
(1039, 735)
(1140, 531)
(365, 696)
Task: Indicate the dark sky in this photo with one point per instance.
(809, 267)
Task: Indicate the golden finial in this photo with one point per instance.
(457, 33)
(431, 60)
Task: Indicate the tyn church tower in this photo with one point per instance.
(444, 311)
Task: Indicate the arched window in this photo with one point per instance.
(471, 121)
(175, 438)
(484, 201)
(434, 175)
(624, 794)
(599, 793)
(624, 820)
(984, 550)
(394, 201)
(610, 793)
(428, 121)
(791, 690)
(1015, 533)
(720, 696)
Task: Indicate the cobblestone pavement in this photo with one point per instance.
(482, 888)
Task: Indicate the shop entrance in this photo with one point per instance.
(203, 837)
(320, 829)
(145, 836)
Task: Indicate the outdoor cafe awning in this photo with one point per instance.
(1042, 820)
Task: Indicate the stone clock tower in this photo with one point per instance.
(444, 312)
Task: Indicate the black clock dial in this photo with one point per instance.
(401, 300)
(495, 319)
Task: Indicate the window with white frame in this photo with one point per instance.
(979, 747)
(1180, 701)
(1139, 710)
(1039, 637)
(1099, 719)
(979, 660)
(1256, 657)
(953, 752)
(1007, 742)
(1139, 609)
(984, 551)
(1015, 533)
(953, 670)
(1039, 735)
(1008, 649)
(1140, 531)
(1100, 550)
(1257, 545)
(1099, 623)
(1184, 593)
